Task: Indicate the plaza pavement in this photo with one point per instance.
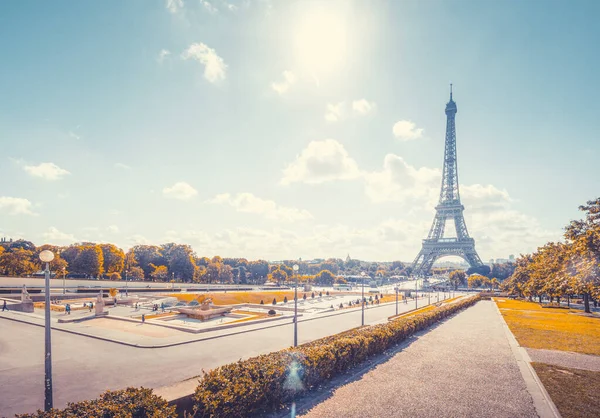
(84, 367)
(464, 367)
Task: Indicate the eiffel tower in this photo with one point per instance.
(449, 207)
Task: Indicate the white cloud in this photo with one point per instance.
(55, 235)
(363, 107)
(399, 180)
(335, 112)
(319, 162)
(162, 55)
(406, 130)
(174, 6)
(74, 135)
(209, 7)
(232, 7)
(122, 166)
(214, 66)
(180, 190)
(289, 78)
(47, 171)
(247, 202)
(113, 229)
(16, 205)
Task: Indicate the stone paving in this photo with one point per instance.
(565, 359)
(462, 368)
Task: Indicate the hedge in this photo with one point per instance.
(266, 383)
(126, 403)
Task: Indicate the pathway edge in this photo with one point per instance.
(544, 405)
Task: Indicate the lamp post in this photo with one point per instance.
(396, 299)
(64, 285)
(296, 267)
(416, 293)
(126, 290)
(362, 300)
(46, 257)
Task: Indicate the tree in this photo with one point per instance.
(584, 239)
(457, 278)
(481, 270)
(17, 262)
(114, 258)
(476, 280)
(90, 261)
(325, 278)
(278, 275)
(180, 259)
(115, 276)
(145, 255)
(136, 273)
(259, 270)
(160, 273)
(274, 301)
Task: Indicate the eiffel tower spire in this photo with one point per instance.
(449, 207)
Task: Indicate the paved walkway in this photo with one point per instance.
(565, 359)
(462, 368)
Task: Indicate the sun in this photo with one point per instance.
(321, 41)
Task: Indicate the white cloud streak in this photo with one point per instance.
(47, 171)
(249, 203)
(180, 190)
(214, 67)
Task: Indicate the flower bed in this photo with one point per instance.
(267, 382)
(126, 403)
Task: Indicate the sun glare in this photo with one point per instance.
(321, 41)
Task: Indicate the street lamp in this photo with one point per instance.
(396, 299)
(362, 301)
(296, 267)
(46, 257)
(126, 290)
(416, 293)
(64, 285)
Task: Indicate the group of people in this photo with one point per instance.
(155, 307)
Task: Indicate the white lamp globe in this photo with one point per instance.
(46, 256)
(295, 267)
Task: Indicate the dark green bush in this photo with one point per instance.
(265, 383)
(126, 403)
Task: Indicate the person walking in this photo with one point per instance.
(68, 309)
(143, 318)
(4, 308)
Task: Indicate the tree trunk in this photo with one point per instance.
(569, 301)
(558, 300)
(540, 298)
(586, 302)
(551, 299)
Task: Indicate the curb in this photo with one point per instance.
(544, 405)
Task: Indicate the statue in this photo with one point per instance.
(99, 304)
(25, 295)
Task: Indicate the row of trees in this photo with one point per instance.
(560, 269)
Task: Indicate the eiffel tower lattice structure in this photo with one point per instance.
(448, 208)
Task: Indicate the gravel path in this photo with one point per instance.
(462, 368)
(565, 359)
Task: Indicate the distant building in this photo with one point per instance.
(348, 259)
(511, 258)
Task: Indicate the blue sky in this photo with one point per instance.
(285, 129)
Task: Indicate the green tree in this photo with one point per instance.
(457, 278)
(325, 278)
(160, 273)
(90, 261)
(114, 258)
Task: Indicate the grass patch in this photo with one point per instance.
(551, 329)
(574, 391)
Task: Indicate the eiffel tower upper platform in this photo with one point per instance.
(449, 207)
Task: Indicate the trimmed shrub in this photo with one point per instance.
(274, 301)
(126, 403)
(272, 312)
(262, 384)
(285, 299)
